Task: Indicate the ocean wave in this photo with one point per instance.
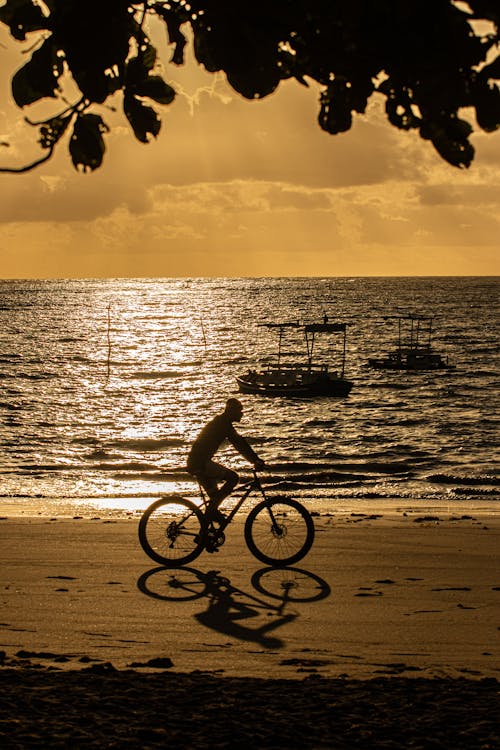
(29, 375)
(96, 468)
(156, 375)
(320, 422)
(237, 360)
(322, 478)
(152, 476)
(454, 479)
(85, 441)
(147, 445)
(476, 491)
(388, 385)
(343, 468)
(126, 466)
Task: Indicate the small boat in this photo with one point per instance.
(304, 379)
(414, 351)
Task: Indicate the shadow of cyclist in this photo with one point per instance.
(225, 613)
(229, 607)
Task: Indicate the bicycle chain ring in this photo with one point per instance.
(215, 539)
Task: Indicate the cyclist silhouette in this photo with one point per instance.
(208, 472)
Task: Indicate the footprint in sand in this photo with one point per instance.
(397, 668)
(160, 662)
(427, 519)
(368, 591)
(23, 654)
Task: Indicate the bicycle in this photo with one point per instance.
(278, 531)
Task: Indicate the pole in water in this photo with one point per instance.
(203, 332)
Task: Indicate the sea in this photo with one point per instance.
(104, 384)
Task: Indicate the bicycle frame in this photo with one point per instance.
(246, 489)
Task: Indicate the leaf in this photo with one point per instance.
(96, 85)
(177, 38)
(22, 16)
(254, 82)
(143, 119)
(87, 145)
(450, 139)
(157, 89)
(138, 67)
(335, 112)
(174, 17)
(39, 77)
(486, 100)
(204, 51)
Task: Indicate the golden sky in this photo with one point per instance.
(238, 188)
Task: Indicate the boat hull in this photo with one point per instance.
(320, 387)
(412, 365)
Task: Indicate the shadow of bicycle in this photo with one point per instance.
(229, 607)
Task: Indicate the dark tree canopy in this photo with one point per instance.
(428, 59)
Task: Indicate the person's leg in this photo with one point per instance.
(230, 482)
(208, 483)
(215, 473)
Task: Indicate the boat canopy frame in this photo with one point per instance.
(310, 331)
(419, 325)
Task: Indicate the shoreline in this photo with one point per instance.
(123, 507)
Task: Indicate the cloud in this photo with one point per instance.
(487, 195)
(54, 198)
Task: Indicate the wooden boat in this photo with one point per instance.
(305, 379)
(414, 351)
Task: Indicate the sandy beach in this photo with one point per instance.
(385, 634)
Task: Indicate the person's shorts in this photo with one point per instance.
(211, 470)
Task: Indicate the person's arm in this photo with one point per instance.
(243, 447)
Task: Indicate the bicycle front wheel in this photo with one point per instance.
(171, 531)
(279, 532)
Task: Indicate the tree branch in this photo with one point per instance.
(28, 167)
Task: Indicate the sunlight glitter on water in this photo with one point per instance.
(69, 430)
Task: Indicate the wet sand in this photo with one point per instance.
(385, 634)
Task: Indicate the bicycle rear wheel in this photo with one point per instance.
(279, 532)
(172, 531)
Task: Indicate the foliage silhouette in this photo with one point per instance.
(429, 59)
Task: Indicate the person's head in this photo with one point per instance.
(234, 409)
